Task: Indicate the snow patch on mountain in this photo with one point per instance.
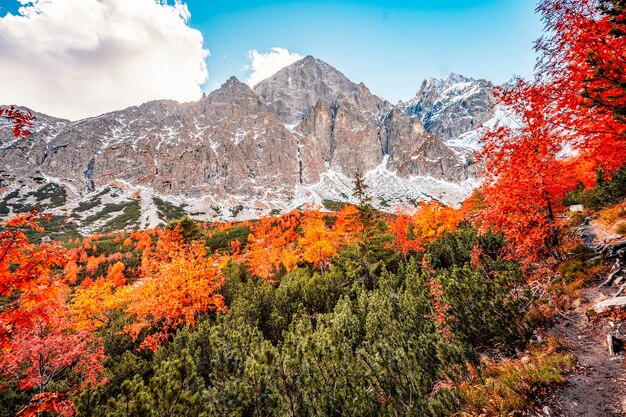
(471, 141)
(388, 190)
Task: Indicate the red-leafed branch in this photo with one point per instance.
(22, 121)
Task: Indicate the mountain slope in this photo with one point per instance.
(341, 126)
(227, 143)
(299, 137)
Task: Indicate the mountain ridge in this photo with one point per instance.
(297, 137)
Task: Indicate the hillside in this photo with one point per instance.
(298, 138)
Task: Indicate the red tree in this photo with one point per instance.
(525, 180)
(42, 351)
(179, 283)
(318, 242)
(27, 275)
(431, 220)
(38, 341)
(583, 63)
(272, 245)
(571, 122)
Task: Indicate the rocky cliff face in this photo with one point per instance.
(415, 152)
(228, 143)
(342, 126)
(335, 120)
(336, 135)
(299, 137)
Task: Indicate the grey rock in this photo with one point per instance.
(413, 151)
(609, 304)
(342, 126)
(228, 143)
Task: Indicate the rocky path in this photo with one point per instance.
(597, 386)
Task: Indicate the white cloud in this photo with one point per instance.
(266, 64)
(80, 58)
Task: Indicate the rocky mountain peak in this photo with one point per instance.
(232, 100)
(452, 106)
(230, 89)
(311, 60)
(233, 83)
(294, 90)
(317, 70)
(445, 81)
(450, 86)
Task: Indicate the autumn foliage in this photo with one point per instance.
(27, 275)
(525, 180)
(568, 123)
(38, 340)
(272, 245)
(179, 282)
(319, 242)
(430, 220)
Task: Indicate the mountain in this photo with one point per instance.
(293, 91)
(228, 143)
(343, 128)
(454, 108)
(298, 137)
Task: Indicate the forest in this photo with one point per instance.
(351, 312)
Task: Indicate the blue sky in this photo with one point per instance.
(391, 46)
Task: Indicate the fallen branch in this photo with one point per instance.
(617, 269)
(619, 292)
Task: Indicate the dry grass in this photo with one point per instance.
(611, 215)
(509, 386)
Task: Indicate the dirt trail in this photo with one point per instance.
(597, 386)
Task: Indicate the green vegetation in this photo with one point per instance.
(512, 385)
(187, 227)
(128, 219)
(95, 201)
(216, 241)
(604, 193)
(51, 191)
(108, 209)
(234, 211)
(57, 228)
(49, 196)
(333, 205)
(219, 241)
(168, 211)
(373, 336)
(88, 205)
